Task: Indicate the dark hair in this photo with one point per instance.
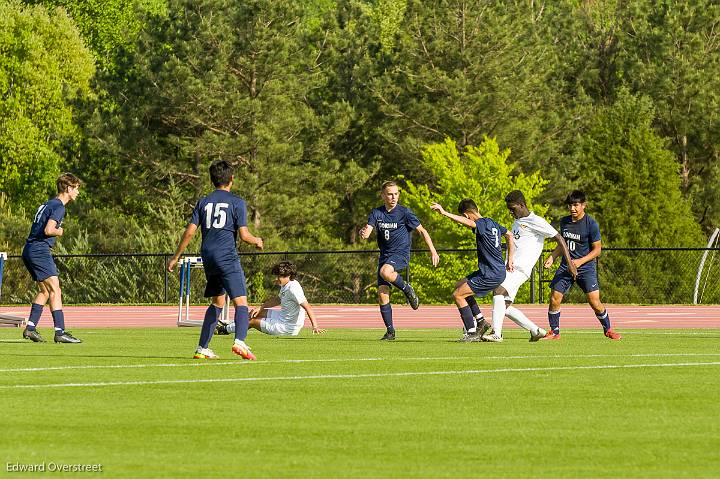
(467, 205)
(284, 268)
(220, 173)
(67, 180)
(387, 184)
(575, 196)
(515, 197)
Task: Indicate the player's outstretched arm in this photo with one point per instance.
(563, 247)
(311, 316)
(365, 231)
(249, 238)
(456, 218)
(510, 242)
(184, 242)
(435, 257)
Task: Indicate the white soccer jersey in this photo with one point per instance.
(291, 297)
(530, 233)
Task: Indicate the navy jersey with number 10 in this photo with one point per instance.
(579, 236)
(219, 216)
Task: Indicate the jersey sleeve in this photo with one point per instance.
(411, 220)
(594, 231)
(298, 293)
(372, 219)
(57, 213)
(195, 218)
(542, 227)
(240, 212)
(501, 228)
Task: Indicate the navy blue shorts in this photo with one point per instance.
(587, 280)
(228, 279)
(482, 285)
(39, 262)
(398, 261)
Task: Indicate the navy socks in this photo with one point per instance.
(59, 320)
(34, 318)
(242, 322)
(467, 319)
(208, 326)
(386, 313)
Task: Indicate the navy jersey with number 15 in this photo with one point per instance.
(393, 229)
(219, 216)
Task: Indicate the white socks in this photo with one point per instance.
(520, 319)
(498, 314)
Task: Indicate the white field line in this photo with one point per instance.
(356, 376)
(202, 363)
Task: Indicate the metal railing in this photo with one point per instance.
(627, 275)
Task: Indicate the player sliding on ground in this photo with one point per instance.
(221, 216)
(529, 232)
(491, 266)
(582, 234)
(45, 229)
(289, 320)
(394, 224)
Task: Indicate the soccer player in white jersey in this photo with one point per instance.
(529, 232)
(289, 320)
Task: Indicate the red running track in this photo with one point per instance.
(368, 316)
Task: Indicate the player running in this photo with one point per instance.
(582, 234)
(394, 224)
(221, 216)
(491, 266)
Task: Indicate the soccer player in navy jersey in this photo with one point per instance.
(491, 265)
(45, 229)
(582, 235)
(394, 224)
(221, 216)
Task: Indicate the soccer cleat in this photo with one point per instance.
(388, 336)
(221, 329)
(470, 338)
(483, 327)
(612, 335)
(205, 353)
(537, 335)
(66, 337)
(492, 338)
(551, 336)
(243, 350)
(32, 335)
(412, 297)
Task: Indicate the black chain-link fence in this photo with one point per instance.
(627, 275)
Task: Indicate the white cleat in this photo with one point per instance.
(492, 338)
(205, 353)
(537, 335)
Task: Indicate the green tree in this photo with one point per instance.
(44, 69)
(481, 173)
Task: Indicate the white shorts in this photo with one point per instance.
(512, 283)
(274, 325)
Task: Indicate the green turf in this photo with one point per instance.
(358, 407)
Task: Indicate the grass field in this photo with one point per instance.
(347, 405)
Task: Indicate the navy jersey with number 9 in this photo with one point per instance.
(219, 216)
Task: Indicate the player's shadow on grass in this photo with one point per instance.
(128, 356)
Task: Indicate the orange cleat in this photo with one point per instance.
(551, 336)
(243, 350)
(612, 335)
